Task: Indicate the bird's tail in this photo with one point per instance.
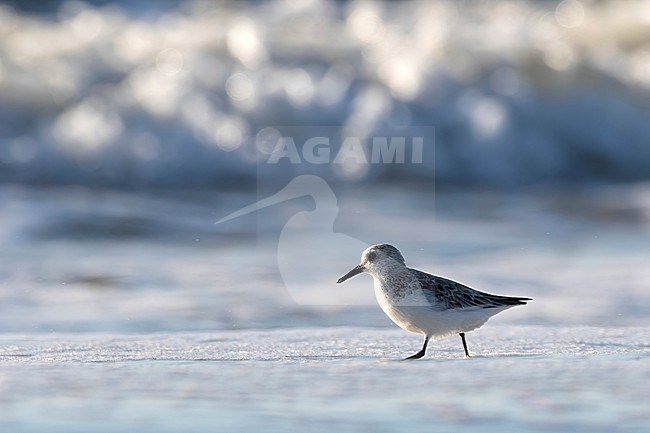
(503, 301)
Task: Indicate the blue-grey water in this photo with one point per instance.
(128, 129)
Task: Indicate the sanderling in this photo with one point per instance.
(424, 303)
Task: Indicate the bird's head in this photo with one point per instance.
(374, 259)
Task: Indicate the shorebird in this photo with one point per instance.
(427, 304)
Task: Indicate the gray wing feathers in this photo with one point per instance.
(455, 295)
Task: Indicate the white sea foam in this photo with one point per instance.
(517, 91)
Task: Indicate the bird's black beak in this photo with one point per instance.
(356, 271)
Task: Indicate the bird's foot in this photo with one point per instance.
(416, 356)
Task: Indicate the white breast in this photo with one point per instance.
(408, 307)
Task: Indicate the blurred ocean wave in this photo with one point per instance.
(176, 94)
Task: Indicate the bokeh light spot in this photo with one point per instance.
(169, 61)
(239, 86)
(570, 13)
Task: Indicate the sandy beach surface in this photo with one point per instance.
(521, 378)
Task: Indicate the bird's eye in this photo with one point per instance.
(372, 256)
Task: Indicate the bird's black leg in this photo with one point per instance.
(422, 351)
(462, 336)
